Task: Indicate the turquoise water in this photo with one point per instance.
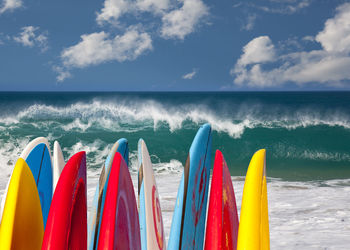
(306, 134)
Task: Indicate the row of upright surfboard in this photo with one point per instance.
(45, 202)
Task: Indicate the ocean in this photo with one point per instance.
(306, 135)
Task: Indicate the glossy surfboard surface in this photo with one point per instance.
(253, 232)
(120, 146)
(222, 218)
(22, 222)
(188, 223)
(150, 213)
(38, 157)
(120, 227)
(66, 226)
(58, 163)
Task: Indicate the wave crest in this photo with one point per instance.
(140, 115)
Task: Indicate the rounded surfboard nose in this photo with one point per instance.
(38, 157)
(150, 213)
(120, 227)
(188, 223)
(67, 221)
(222, 218)
(22, 222)
(253, 232)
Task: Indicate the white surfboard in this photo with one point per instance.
(58, 163)
(150, 213)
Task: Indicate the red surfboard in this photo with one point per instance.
(120, 220)
(222, 222)
(66, 226)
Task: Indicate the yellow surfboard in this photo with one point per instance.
(22, 222)
(253, 231)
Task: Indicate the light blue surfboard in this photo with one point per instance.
(188, 224)
(38, 157)
(120, 146)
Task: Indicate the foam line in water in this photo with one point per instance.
(145, 114)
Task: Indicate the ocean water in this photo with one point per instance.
(306, 135)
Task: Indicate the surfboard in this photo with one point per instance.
(188, 223)
(38, 157)
(120, 227)
(66, 226)
(222, 218)
(150, 213)
(58, 163)
(120, 146)
(22, 222)
(253, 231)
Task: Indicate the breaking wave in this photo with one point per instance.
(148, 114)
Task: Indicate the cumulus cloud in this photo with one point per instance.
(10, 5)
(190, 75)
(177, 22)
(113, 10)
(335, 37)
(329, 65)
(258, 50)
(99, 47)
(30, 37)
(181, 22)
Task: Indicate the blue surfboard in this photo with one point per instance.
(38, 157)
(120, 146)
(188, 224)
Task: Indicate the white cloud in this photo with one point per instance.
(335, 36)
(30, 37)
(99, 47)
(180, 22)
(10, 5)
(258, 50)
(283, 6)
(329, 65)
(113, 10)
(156, 6)
(190, 75)
(176, 22)
(249, 25)
(62, 73)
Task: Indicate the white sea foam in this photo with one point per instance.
(137, 115)
(303, 215)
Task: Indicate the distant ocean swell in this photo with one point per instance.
(137, 116)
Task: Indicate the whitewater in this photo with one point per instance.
(306, 136)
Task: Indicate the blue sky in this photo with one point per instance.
(166, 45)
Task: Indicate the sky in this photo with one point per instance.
(167, 45)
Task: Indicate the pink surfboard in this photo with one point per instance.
(66, 226)
(120, 227)
(222, 222)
